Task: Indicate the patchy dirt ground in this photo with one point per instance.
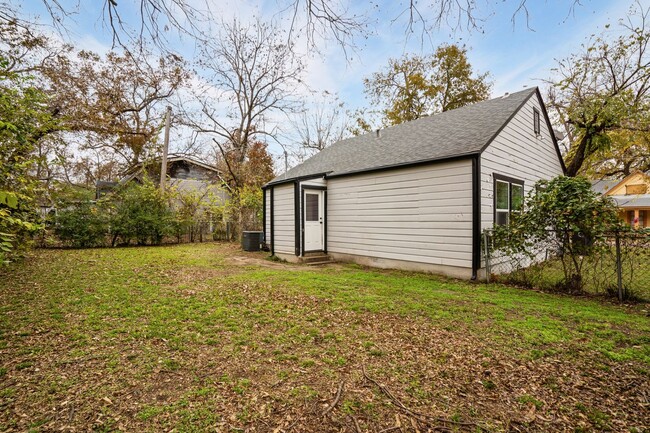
(207, 338)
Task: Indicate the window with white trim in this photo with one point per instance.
(508, 198)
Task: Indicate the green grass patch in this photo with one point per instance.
(181, 338)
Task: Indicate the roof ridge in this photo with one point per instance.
(453, 133)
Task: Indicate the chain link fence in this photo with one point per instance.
(618, 264)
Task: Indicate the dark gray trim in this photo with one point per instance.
(272, 222)
(264, 215)
(514, 113)
(550, 130)
(476, 216)
(325, 222)
(376, 169)
(537, 121)
(303, 217)
(296, 217)
(293, 179)
(497, 176)
(405, 165)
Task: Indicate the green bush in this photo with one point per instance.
(82, 225)
(140, 213)
(563, 213)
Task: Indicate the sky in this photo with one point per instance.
(516, 54)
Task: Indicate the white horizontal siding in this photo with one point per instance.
(314, 182)
(421, 214)
(283, 219)
(516, 152)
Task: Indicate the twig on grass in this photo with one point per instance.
(339, 392)
(426, 419)
(357, 427)
(389, 429)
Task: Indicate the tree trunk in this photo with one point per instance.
(578, 159)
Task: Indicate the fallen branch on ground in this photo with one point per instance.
(423, 418)
(339, 392)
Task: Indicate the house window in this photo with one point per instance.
(631, 219)
(536, 126)
(508, 198)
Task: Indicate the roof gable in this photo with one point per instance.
(456, 133)
(636, 178)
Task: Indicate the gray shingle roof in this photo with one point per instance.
(603, 185)
(632, 201)
(453, 133)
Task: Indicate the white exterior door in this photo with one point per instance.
(314, 219)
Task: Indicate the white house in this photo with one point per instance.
(417, 195)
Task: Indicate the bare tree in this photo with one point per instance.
(339, 20)
(252, 78)
(604, 89)
(320, 126)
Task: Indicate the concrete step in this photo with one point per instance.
(319, 263)
(315, 258)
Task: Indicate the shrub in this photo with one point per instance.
(82, 225)
(563, 212)
(141, 213)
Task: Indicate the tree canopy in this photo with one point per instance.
(416, 86)
(601, 98)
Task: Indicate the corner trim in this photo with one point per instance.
(296, 217)
(272, 223)
(476, 216)
(264, 214)
(325, 222)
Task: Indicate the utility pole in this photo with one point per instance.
(286, 163)
(163, 166)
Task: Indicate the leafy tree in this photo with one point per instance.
(563, 212)
(194, 208)
(603, 92)
(23, 119)
(415, 86)
(629, 151)
(115, 102)
(246, 179)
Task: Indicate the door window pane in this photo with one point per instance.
(311, 207)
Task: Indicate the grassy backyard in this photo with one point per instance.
(208, 338)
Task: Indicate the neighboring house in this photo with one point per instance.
(184, 173)
(417, 195)
(632, 196)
